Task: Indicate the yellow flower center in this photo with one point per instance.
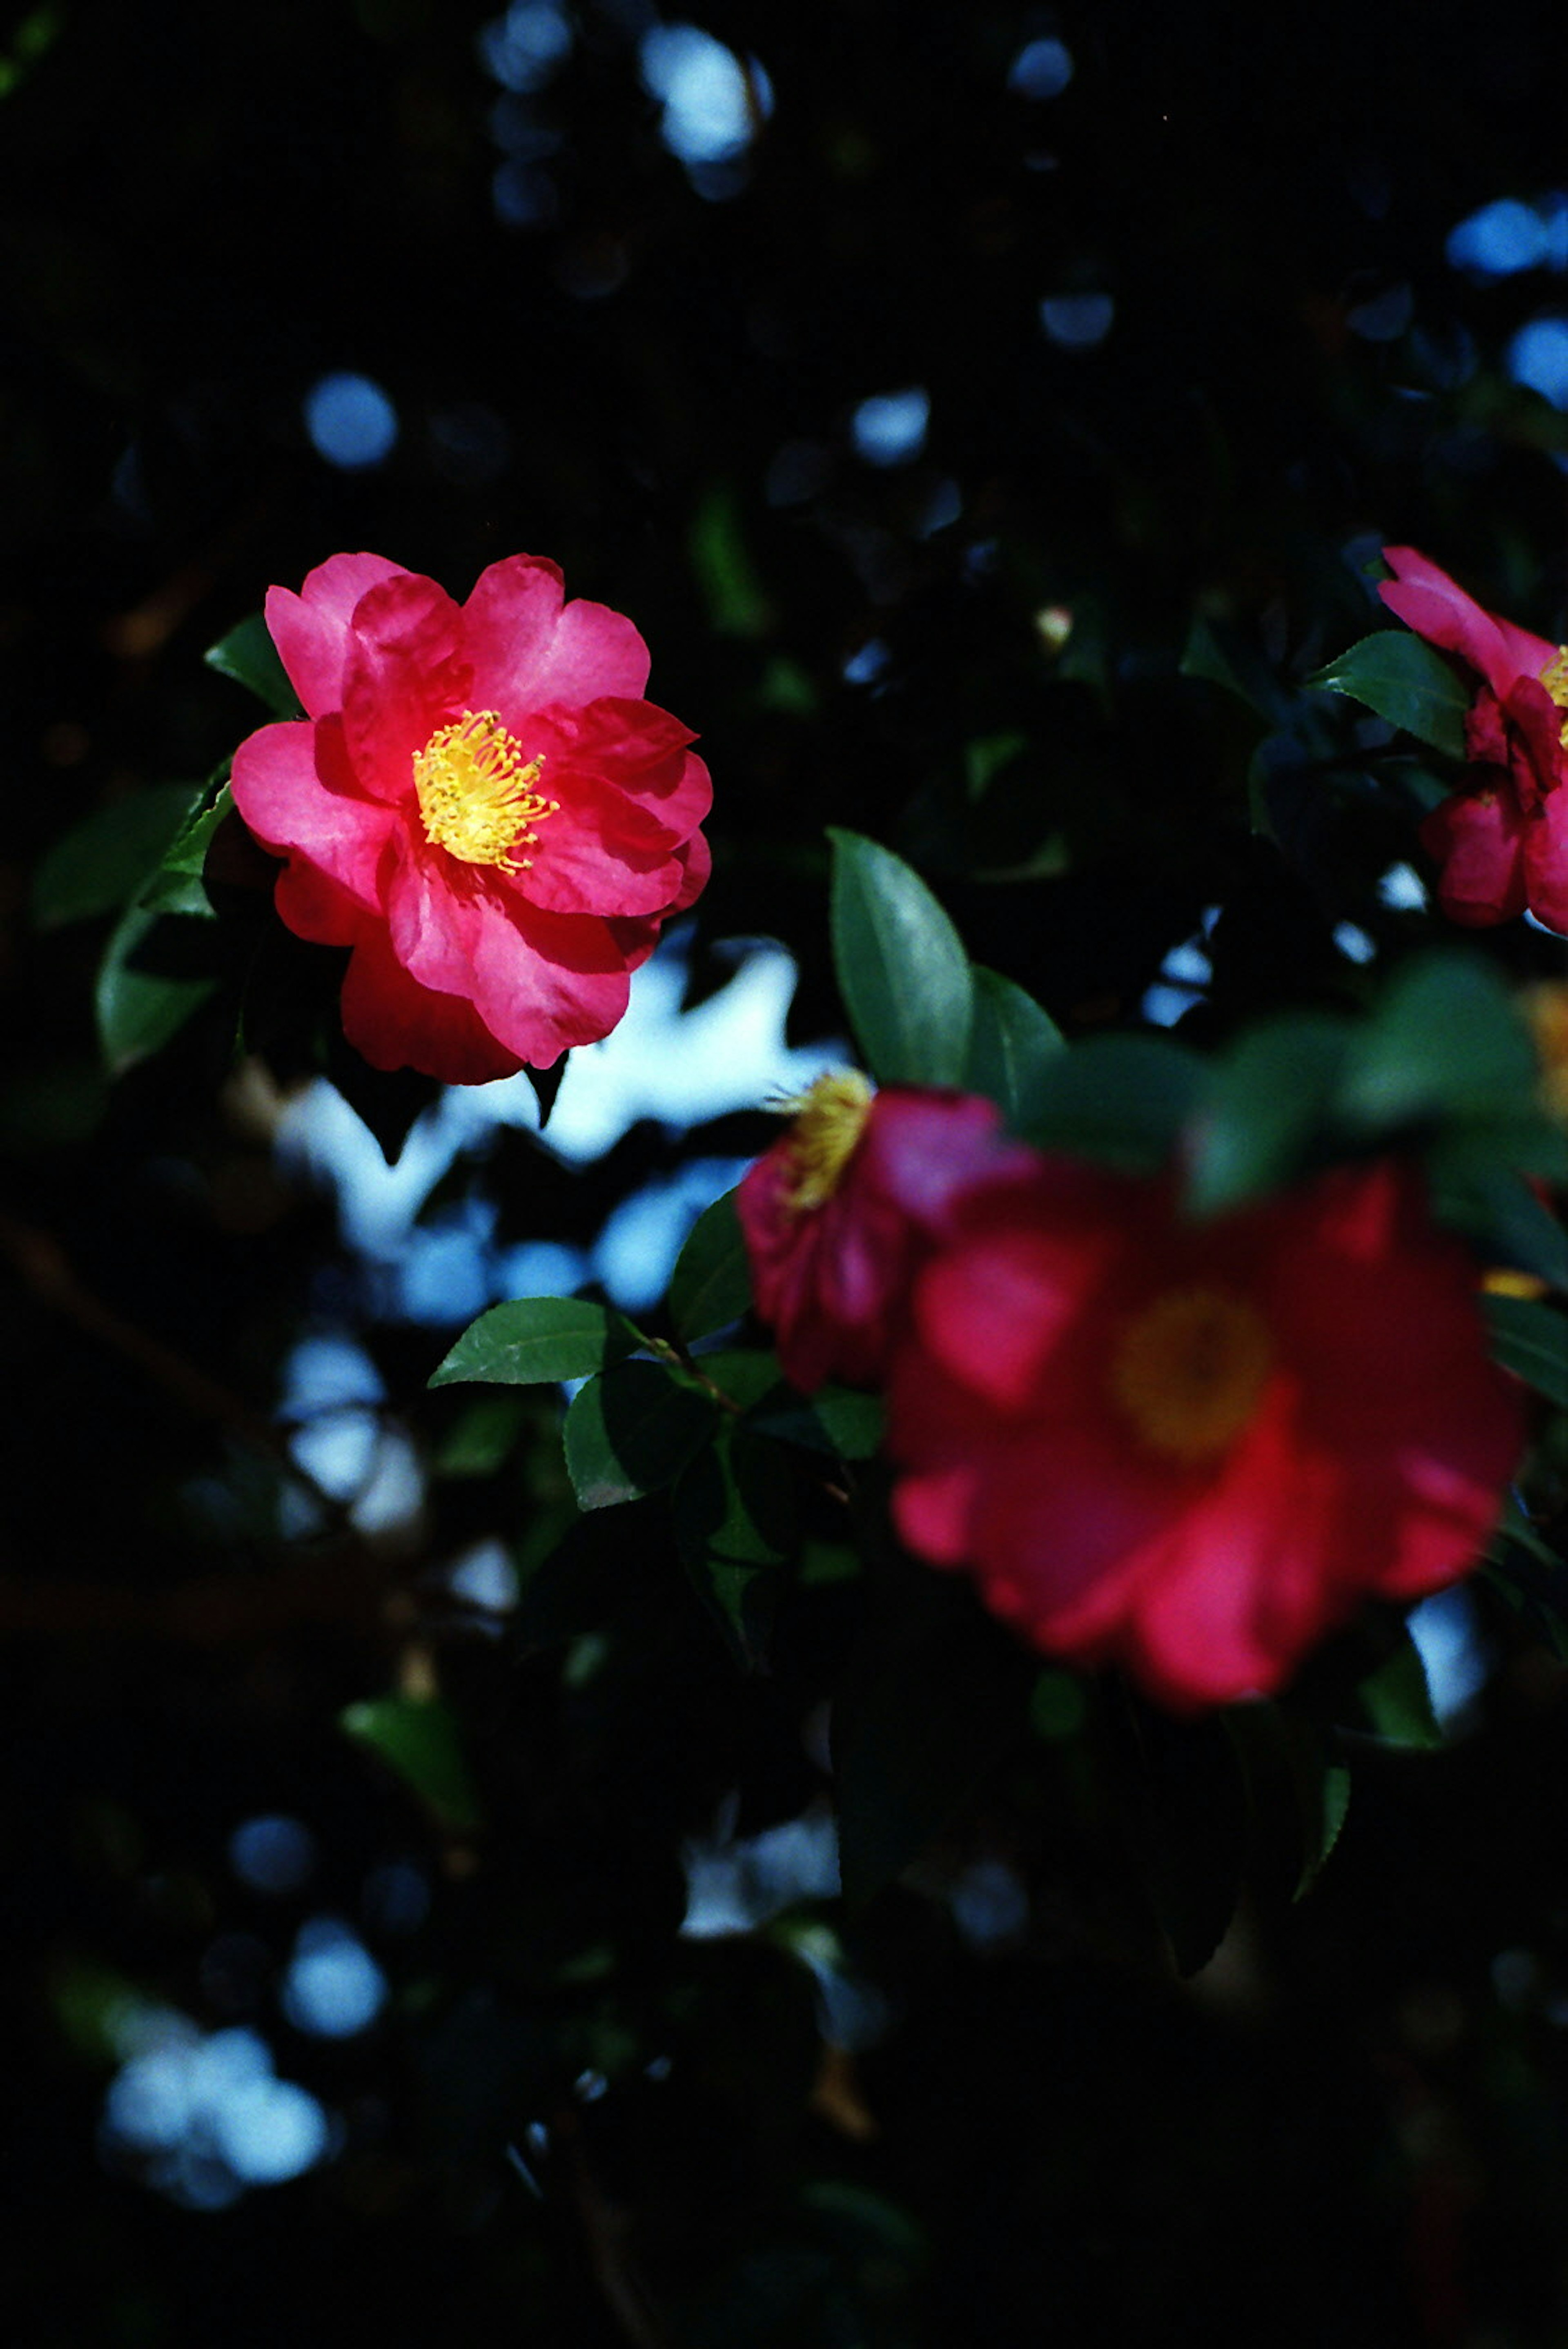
(1554, 677)
(1189, 1371)
(476, 791)
(1546, 1009)
(830, 1120)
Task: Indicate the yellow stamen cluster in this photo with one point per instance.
(1554, 677)
(1189, 1371)
(830, 1120)
(476, 791)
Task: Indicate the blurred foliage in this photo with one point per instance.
(1079, 679)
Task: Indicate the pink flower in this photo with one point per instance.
(479, 802)
(838, 1216)
(1192, 1448)
(1501, 844)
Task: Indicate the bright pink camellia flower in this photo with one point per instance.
(1192, 1448)
(480, 803)
(1502, 844)
(838, 1216)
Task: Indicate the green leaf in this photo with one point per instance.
(835, 1420)
(535, 1341)
(711, 1284)
(1185, 1807)
(248, 655)
(102, 861)
(417, 1738)
(1265, 1097)
(1407, 681)
(139, 1006)
(177, 887)
(1010, 1042)
(1444, 1038)
(737, 601)
(1532, 1341)
(902, 970)
(1220, 658)
(734, 1515)
(744, 1375)
(632, 1430)
(1397, 1702)
(1123, 1099)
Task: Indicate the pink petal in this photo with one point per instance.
(311, 629)
(1438, 608)
(396, 1023)
(528, 651)
(1546, 861)
(1477, 839)
(279, 789)
(406, 675)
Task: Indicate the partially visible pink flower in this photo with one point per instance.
(480, 803)
(1501, 844)
(839, 1215)
(1193, 1448)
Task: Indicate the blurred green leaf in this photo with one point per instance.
(482, 1435)
(902, 970)
(535, 1341)
(417, 1737)
(1532, 1341)
(103, 861)
(140, 1006)
(1407, 681)
(1295, 1781)
(1123, 1099)
(248, 655)
(1010, 1042)
(632, 1430)
(711, 1284)
(1497, 1210)
(1397, 1701)
(737, 601)
(1444, 1038)
(1265, 1096)
(1219, 655)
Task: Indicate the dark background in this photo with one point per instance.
(1351, 2126)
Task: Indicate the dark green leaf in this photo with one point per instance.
(902, 970)
(1530, 1340)
(744, 1375)
(633, 1430)
(104, 860)
(914, 1740)
(1444, 1038)
(176, 886)
(735, 1514)
(1397, 1702)
(417, 1738)
(1407, 681)
(248, 655)
(1187, 1808)
(1010, 1042)
(139, 1006)
(1265, 1098)
(1124, 1099)
(482, 1435)
(711, 1284)
(534, 1340)
(1299, 1788)
(1497, 1210)
(1219, 656)
(834, 1420)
